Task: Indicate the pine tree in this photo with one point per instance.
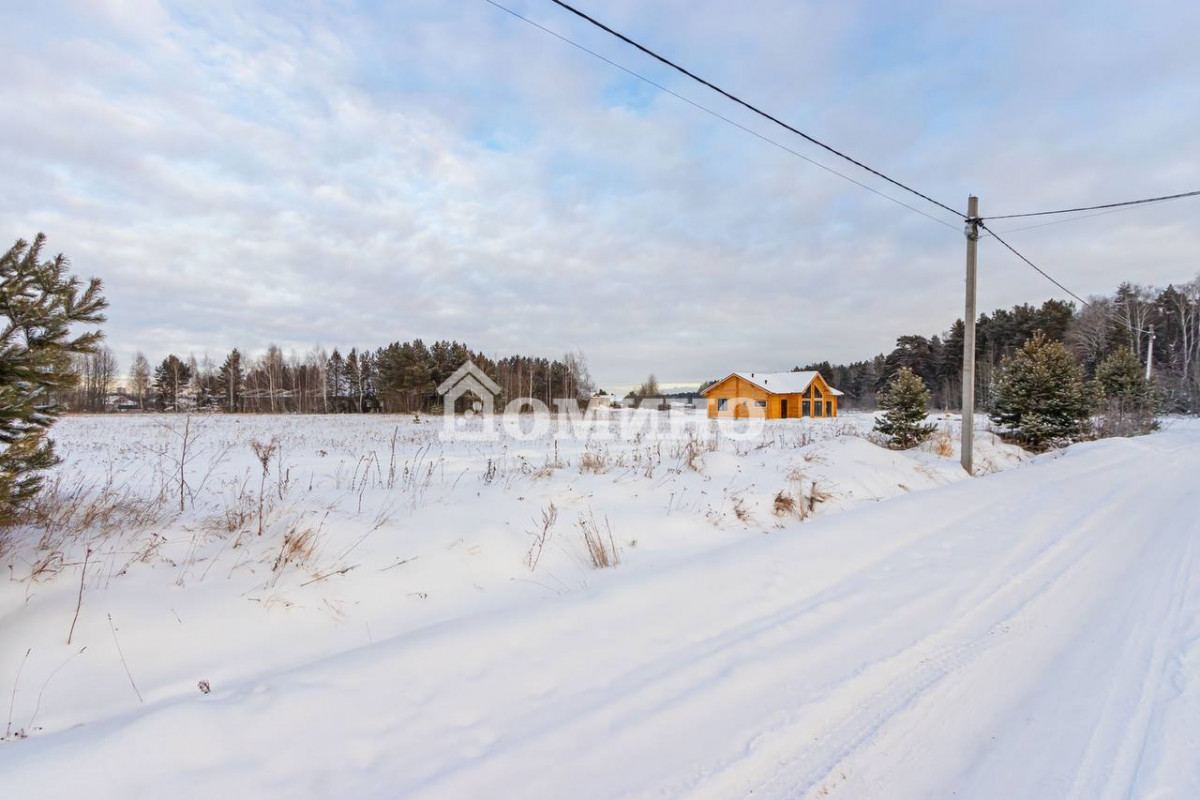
(1121, 377)
(1040, 395)
(171, 378)
(335, 377)
(40, 302)
(229, 381)
(355, 380)
(905, 403)
(1127, 398)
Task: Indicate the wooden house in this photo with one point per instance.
(775, 395)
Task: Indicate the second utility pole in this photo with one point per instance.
(968, 372)
(1150, 356)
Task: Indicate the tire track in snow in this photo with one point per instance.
(1131, 752)
(682, 672)
(923, 668)
(697, 656)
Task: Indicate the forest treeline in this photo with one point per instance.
(1092, 333)
(401, 377)
(404, 376)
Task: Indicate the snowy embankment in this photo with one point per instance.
(1034, 633)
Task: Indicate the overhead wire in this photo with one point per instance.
(1123, 204)
(719, 115)
(1056, 282)
(1068, 219)
(1106, 208)
(751, 106)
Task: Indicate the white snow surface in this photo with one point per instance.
(1031, 633)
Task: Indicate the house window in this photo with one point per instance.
(817, 408)
(722, 403)
(829, 408)
(806, 408)
(760, 403)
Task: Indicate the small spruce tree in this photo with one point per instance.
(905, 403)
(1127, 398)
(1121, 376)
(1040, 395)
(40, 302)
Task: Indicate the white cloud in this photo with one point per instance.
(355, 176)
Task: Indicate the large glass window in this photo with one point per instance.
(722, 403)
(806, 408)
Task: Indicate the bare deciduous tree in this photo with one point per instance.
(139, 378)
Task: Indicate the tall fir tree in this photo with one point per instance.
(335, 378)
(171, 379)
(40, 302)
(1040, 395)
(905, 403)
(229, 381)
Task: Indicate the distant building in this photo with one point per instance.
(775, 395)
(120, 402)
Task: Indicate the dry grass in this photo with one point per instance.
(741, 511)
(799, 499)
(46, 567)
(595, 461)
(263, 452)
(690, 452)
(541, 535)
(298, 547)
(236, 515)
(62, 511)
(784, 505)
(817, 495)
(600, 545)
(942, 443)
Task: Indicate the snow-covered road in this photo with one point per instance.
(1032, 634)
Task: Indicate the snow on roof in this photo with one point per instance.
(779, 382)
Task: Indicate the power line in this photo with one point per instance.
(1094, 208)
(1061, 221)
(1043, 272)
(720, 116)
(750, 106)
(1050, 278)
(1068, 219)
(1107, 208)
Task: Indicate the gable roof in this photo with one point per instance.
(777, 382)
(470, 377)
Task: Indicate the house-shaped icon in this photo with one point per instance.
(469, 379)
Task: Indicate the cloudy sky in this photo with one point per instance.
(349, 173)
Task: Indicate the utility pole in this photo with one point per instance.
(1150, 355)
(968, 372)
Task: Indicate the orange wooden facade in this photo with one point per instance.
(733, 396)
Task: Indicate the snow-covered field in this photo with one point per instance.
(421, 618)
